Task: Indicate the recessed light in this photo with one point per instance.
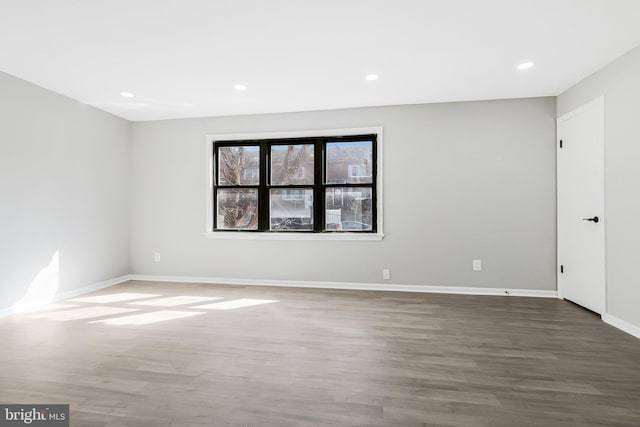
(239, 87)
(372, 77)
(126, 94)
(525, 65)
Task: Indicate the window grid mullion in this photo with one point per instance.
(374, 184)
(318, 192)
(263, 189)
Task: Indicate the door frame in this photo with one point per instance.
(598, 103)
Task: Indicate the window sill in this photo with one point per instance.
(238, 235)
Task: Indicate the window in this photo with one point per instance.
(301, 184)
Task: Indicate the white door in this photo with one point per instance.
(581, 244)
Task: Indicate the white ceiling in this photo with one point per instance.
(181, 58)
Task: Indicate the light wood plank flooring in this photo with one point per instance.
(265, 356)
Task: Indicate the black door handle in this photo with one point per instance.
(594, 219)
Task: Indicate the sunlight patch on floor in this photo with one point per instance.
(173, 301)
(238, 303)
(123, 296)
(53, 307)
(82, 313)
(146, 318)
(148, 308)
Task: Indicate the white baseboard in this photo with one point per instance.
(75, 292)
(299, 284)
(96, 286)
(349, 286)
(464, 290)
(622, 325)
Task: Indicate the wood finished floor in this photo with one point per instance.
(324, 358)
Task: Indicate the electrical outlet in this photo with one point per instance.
(156, 257)
(386, 274)
(477, 265)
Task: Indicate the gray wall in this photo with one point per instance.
(462, 181)
(619, 82)
(64, 186)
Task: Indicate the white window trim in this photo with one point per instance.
(290, 235)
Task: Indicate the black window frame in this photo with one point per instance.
(319, 185)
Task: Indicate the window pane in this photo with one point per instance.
(292, 164)
(237, 209)
(291, 209)
(239, 165)
(349, 209)
(349, 162)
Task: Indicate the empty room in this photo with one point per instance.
(329, 213)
